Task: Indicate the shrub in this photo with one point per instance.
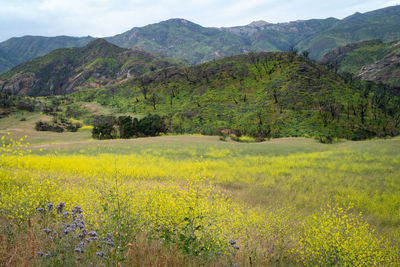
(25, 104)
(150, 125)
(47, 126)
(59, 125)
(103, 128)
(126, 129)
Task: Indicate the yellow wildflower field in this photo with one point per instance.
(292, 202)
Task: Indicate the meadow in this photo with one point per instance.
(198, 201)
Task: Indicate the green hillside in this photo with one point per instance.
(65, 70)
(380, 24)
(179, 38)
(18, 50)
(369, 60)
(258, 94)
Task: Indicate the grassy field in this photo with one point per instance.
(195, 200)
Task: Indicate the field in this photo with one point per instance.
(195, 200)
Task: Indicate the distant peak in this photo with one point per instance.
(101, 43)
(98, 41)
(179, 20)
(258, 23)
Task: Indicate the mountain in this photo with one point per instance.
(97, 64)
(18, 50)
(180, 38)
(259, 94)
(383, 24)
(369, 60)
(263, 36)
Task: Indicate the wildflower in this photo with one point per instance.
(80, 223)
(110, 243)
(232, 242)
(47, 231)
(78, 250)
(236, 247)
(48, 255)
(40, 210)
(92, 233)
(40, 254)
(65, 214)
(100, 254)
(76, 210)
(60, 207)
(49, 206)
(82, 244)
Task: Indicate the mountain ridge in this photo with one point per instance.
(65, 70)
(181, 38)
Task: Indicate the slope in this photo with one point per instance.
(183, 39)
(65, 70)
(18, 50)
(260, 94)
(383, 24)
(369, 60)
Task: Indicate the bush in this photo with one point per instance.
(58, 125)
(47, 126)
(103, 128)
(126, 127)
(25, 104)
(150, 125)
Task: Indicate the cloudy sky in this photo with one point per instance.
(109, 17)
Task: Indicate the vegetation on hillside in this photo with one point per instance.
(19, 50)
(258, 94)
(370, 60)
(183, 39)
(98, 64)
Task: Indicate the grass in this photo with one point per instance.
(286, 201)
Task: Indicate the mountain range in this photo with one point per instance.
(180, 38)
(65, 70)
(261, 94)
(369, 60)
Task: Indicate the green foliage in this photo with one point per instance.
(59, 124)
(370, 60)
(380, 24)
(126, 128)
(106, 127)
(261, 95)
(18, 50)
(103, 128)
(65, 70)
(183, 39)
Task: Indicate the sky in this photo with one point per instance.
(100, 18)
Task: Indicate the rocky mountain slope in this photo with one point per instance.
(383, 24)
(98, 64)
(369, 60)
(18, 50)
(183, 39)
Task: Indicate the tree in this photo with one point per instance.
(154, 100)
(103, 128)
(126, 129)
